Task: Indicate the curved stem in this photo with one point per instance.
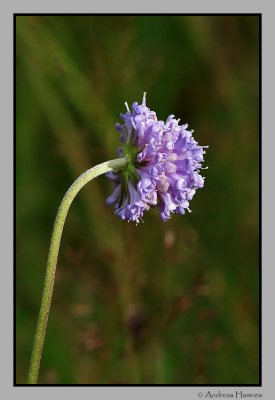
(53, 254)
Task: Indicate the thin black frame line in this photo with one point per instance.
(260, 199)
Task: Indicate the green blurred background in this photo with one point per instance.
(171, 303)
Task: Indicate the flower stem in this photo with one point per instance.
(86, 177)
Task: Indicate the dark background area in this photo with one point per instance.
(174, 302)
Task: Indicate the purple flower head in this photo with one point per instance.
(163, 169)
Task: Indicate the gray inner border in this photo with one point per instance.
(6, 39)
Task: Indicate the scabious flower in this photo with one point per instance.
(163, 169)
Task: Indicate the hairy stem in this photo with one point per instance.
(53, 255)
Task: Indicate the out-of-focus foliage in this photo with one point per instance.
(173, 302)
